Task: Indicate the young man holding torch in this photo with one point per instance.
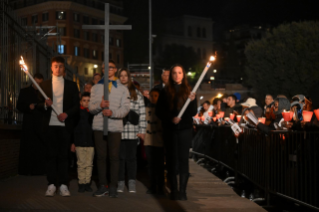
(63, 95)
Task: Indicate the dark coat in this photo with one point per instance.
(71, 103)
(32, 150)
(159, 86)
(166, 115)
(83, 133)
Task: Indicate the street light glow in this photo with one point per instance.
(215, 70)
(212, 58)
(219, 95)
(189, 73)
(95, 66)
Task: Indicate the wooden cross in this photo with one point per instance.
(107, 27)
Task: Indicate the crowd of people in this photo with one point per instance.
(134, 118)
(273, 115)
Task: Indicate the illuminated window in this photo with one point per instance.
(76, 51)
(61, 49)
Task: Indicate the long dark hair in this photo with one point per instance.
(183, 92)
(130, 85)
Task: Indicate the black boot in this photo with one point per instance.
(183, 179)
(88, 187)
(81, 188)
(174, 191)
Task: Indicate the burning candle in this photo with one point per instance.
(221, 114)
(202, 118)
(317, 113)
(307, 115)
(232, 116)
(214, 119)
(217, 116)
(262, 120)
(238, 118)
(200, 79)
(25, 70)
(286, 115)
(226, 119)
(210, 113)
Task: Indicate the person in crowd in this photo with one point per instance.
(32, 149)
(63, 94)
(232, 107)
(205, 108)
(88, 87)
(116, 108)
(250, 106)
(217, 106)
(164, 76)
(238, 96)
(280, 105)
(154, 146)
(96, 77)
(134, 128)
(83, 144)
(177, 131)
(224, 102)
(268, 100)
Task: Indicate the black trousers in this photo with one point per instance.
(155, 158)
(177, 143)
(57, 149)
(128, 159)
(107, 147)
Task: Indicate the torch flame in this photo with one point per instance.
(212, 58)
(23, 65)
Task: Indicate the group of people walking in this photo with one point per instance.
(129, 122)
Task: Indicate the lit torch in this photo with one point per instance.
(212, 58)
(25, 69)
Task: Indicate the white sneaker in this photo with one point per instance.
(64, 191)
(51, 191)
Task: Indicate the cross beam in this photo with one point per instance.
(107, 27)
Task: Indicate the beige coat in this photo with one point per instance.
(153, 135)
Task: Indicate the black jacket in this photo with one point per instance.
(159, 86)
(83, 133)
(71, 103)
(166, 115)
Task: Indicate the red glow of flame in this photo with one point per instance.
(317, 113)
(232, 116)
(238, 118)
(221, 114)
(287, 115)
(262, 120)
(307, 115)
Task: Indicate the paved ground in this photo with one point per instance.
(205, 193)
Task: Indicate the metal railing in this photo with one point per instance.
(14, 42)
(283, 163)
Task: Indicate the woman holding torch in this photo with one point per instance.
(177, 132)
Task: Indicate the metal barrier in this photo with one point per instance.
(283, 163)
(14, 42)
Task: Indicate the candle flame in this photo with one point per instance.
(212, 58)
(23, 65)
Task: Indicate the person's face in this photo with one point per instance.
(154, 97)
(165, 76)
(205, 106)
(218, 106)
(230, 102)
(112, 70)
(57, 69)
(124, 78)
(268, 100)
(85, 101)
(96, 79)
(177, 75)
(225, 99)
(276, 106)
(38, 81)
(87, 88)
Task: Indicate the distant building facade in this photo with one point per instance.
(188, 31)
(83, 49)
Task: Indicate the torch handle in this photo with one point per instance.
(42, 92)
(200, 79)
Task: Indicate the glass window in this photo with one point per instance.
(24, 21)
(76, 51)
(204, 33)
(118, 58)
(94, 37)
(94, 54)
(61, 49)
(86, 35)
(34, 19)
(86, 71)
(76, 33)
(62, 31)
(86, 20)
(86, 52)
(60, 15)
(45, 17)
(76, 17)
(118, 42)
(198, 32)
(190, 34)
